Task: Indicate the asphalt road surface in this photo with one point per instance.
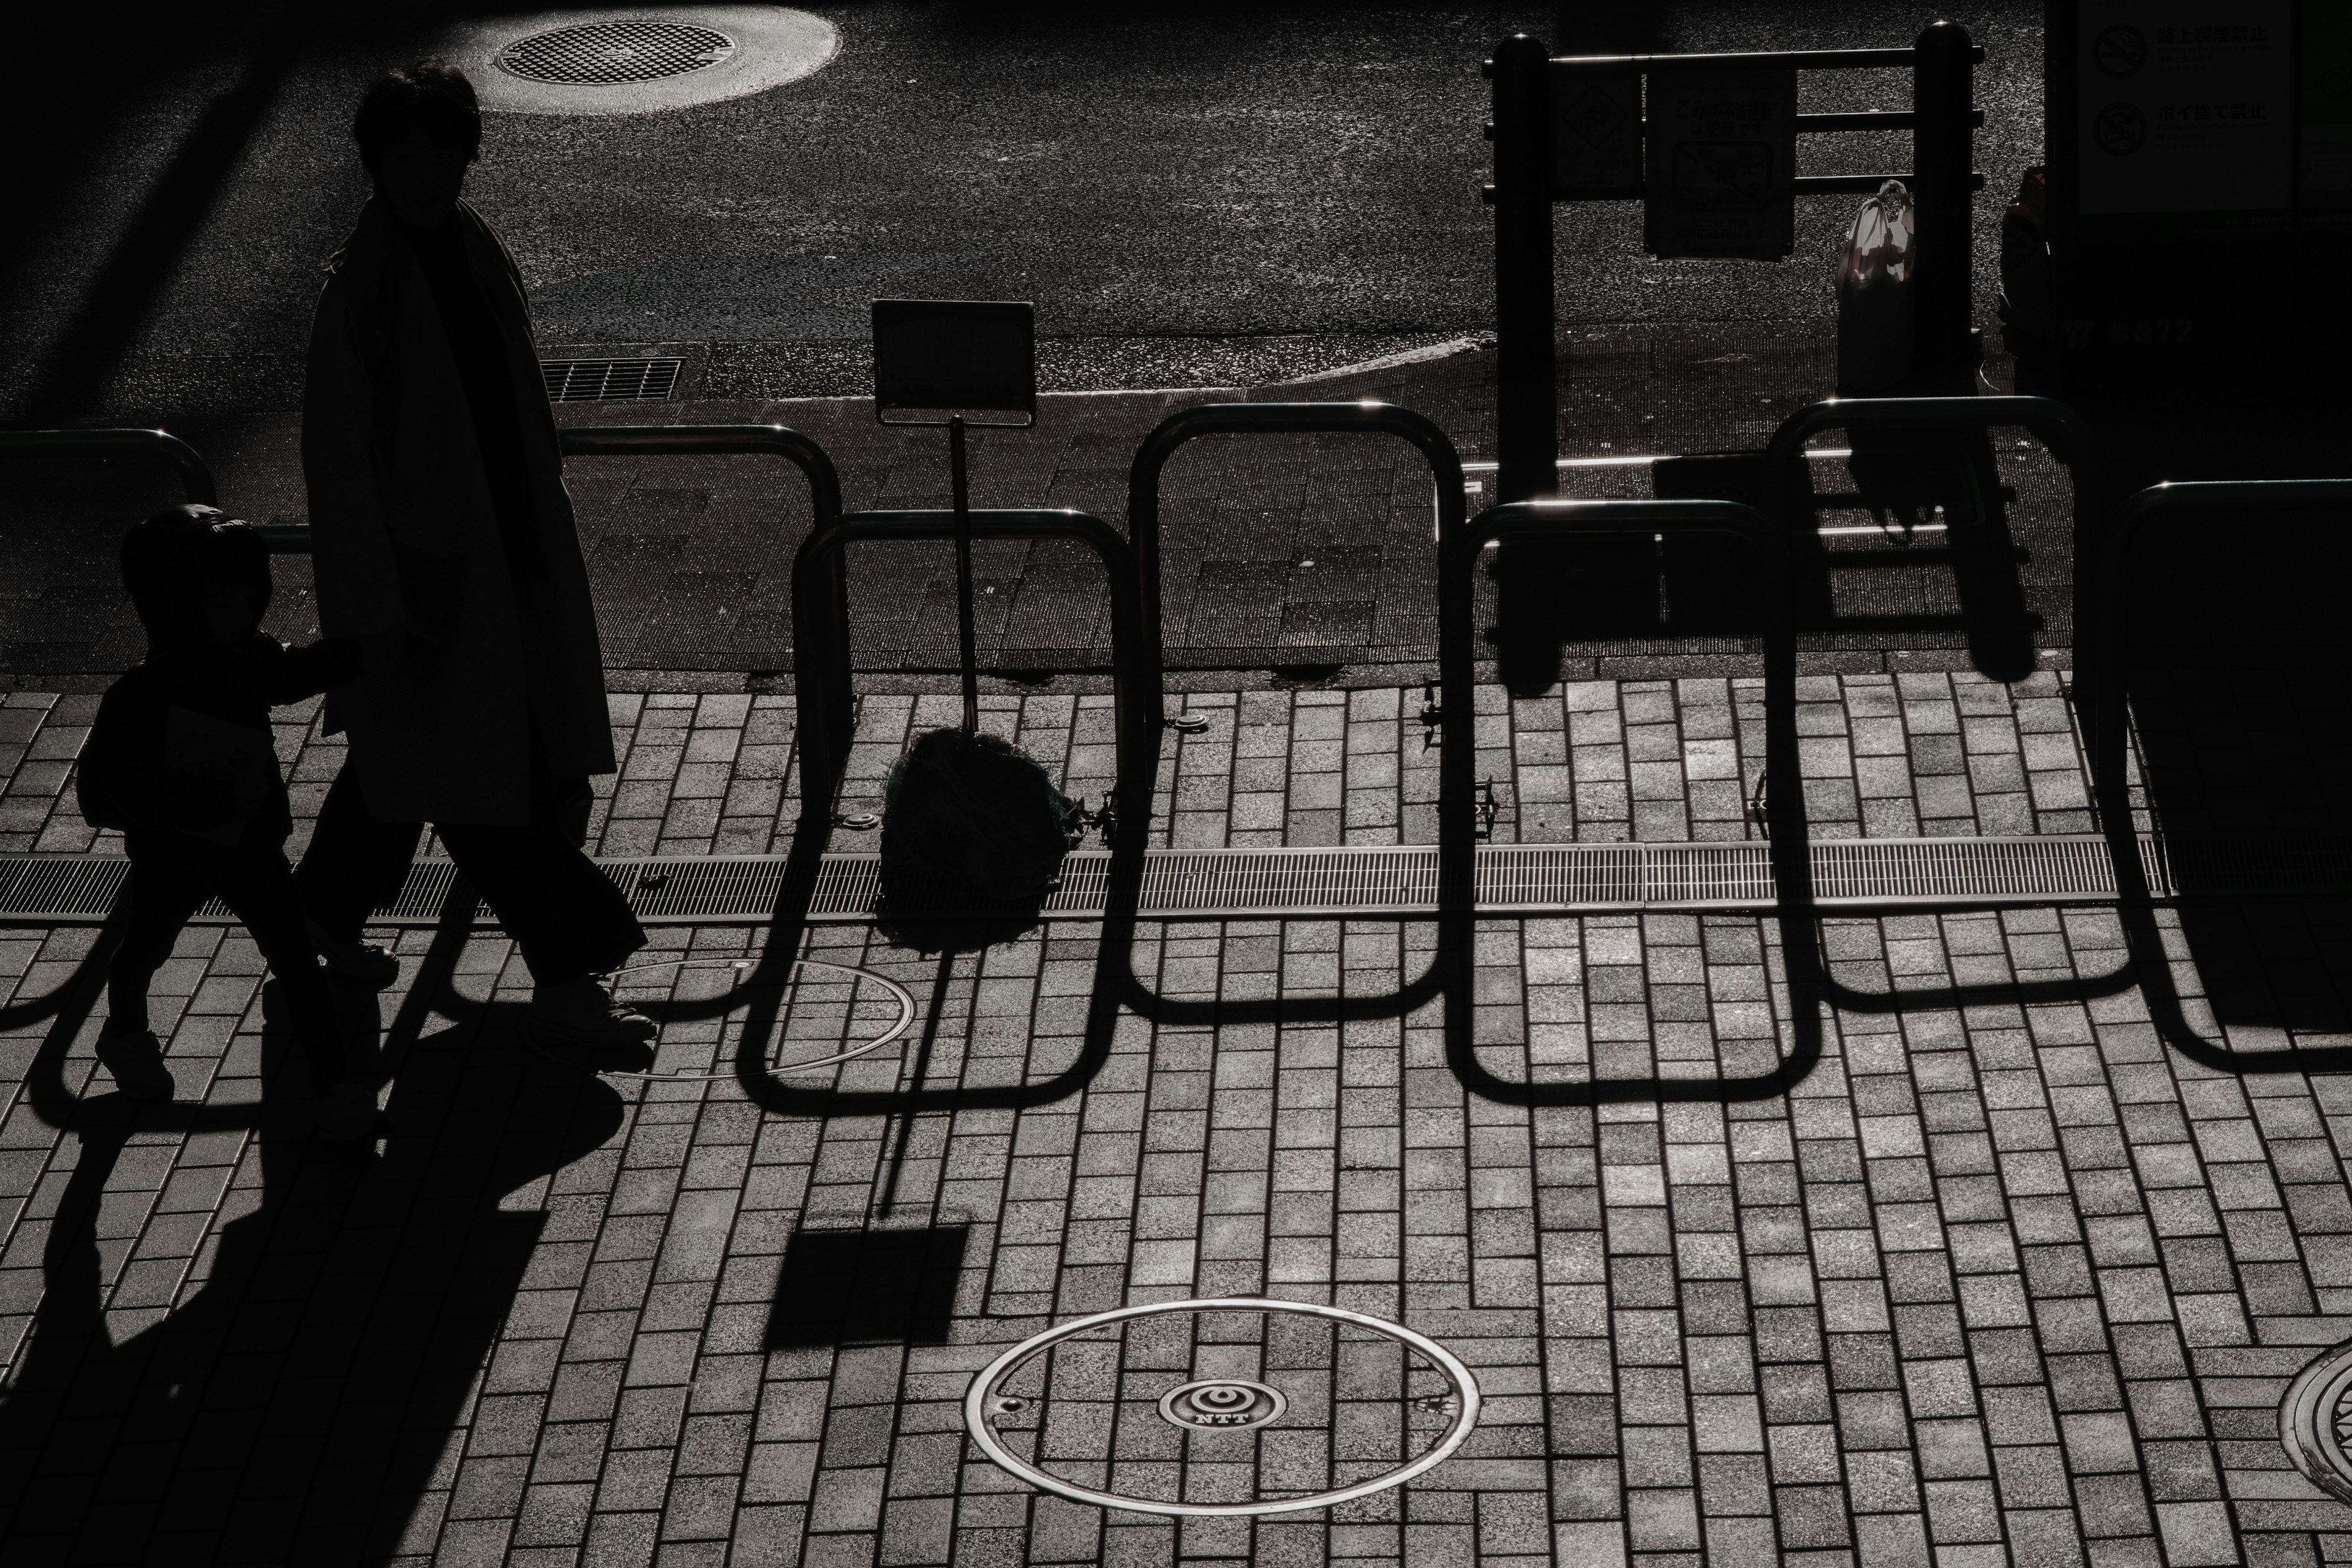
(1194, 194)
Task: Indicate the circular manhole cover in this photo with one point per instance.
(635, 61)
(2315, 1422)
(1231, 1406)
(615, 51)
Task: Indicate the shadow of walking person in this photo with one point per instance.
(294, 1405)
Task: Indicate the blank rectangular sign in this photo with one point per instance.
(955, 355)
(1721, 161)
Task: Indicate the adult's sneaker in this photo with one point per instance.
(135, 1058)
(362, 961)
(582, 1013)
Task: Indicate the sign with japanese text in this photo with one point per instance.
(2328, 115)
(2185, 106)
(1598, 148)
(1720, 163)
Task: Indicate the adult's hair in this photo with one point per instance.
(432, 97)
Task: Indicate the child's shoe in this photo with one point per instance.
(346, 1111)
(135, 1058)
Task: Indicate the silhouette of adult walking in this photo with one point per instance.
(445, 546)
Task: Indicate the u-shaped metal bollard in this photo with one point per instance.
(722, 440)
(1457, 865)
(1268, 419)
(1143, 526)
(196, 478)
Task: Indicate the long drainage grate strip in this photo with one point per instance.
(1513, 879)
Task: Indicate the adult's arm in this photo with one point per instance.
(351, 557)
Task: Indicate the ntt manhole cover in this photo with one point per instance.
(2315, 1422)
(615, 51)
(1231, 1406)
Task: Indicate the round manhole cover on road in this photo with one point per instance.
(2315, 1422)
(636, 61)
(1230, 1405)
(615, 51)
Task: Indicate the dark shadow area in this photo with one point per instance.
(294, 1404)
(2242, 708)
(867, 1287)
(1946, 998)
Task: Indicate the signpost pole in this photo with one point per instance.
(1526, 395)
(966, 642)
(1943, 142)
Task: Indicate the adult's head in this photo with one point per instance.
(418, 128)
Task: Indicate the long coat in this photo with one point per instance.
(405, 534)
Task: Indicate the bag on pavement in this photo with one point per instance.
(966, 814)
(1873, 289)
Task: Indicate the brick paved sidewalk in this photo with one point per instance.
(2004, 1283)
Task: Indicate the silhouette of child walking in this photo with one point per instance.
(181, 761)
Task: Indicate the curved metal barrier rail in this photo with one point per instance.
(1268, 419)
(196, 478)
(1144, 528)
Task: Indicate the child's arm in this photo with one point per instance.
(295, 673)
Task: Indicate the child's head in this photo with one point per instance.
(196, 575)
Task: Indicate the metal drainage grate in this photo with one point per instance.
(610, 52)
(610, 379)
(1513, 879)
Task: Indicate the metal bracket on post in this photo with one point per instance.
(1527, 398)
(1942, 60)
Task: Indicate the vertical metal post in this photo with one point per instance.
(1942, 79)
(967, 644)
(1527, 439)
